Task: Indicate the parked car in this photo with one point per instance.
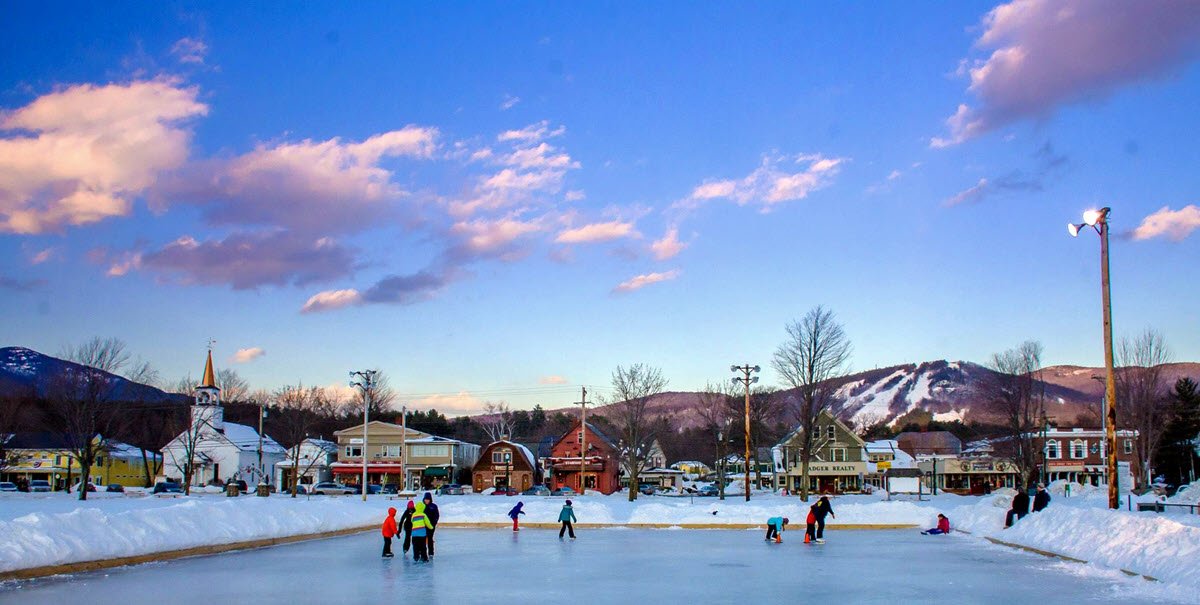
(451, 489)
(537, 490)
(391, 488)
(330, 488)
(505, 491)
(167, 487)
(8, 486)
(564, 491)
(708, 490)
(39, 485)
(115, 488)
(373, 488)
(646, 489)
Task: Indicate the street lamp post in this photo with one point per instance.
(746, 379)
(1098, 219)
(366, 382)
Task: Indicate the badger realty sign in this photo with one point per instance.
(833, 468)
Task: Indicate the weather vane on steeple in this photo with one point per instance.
(211, 342)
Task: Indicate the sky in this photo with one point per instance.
(506, 201)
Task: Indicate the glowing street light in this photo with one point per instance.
(1098, 220)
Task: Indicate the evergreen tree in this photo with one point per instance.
(1176, 456)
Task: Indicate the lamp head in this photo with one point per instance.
(756, 368)
(1073, 229)
(1091, 217)
(733, 368)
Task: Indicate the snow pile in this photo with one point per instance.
(92, 533)
(1187, 494)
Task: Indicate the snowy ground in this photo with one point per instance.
(50, 529)
(613, 566)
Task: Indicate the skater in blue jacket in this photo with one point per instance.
(515, 514)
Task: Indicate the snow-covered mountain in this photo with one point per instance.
(24, 371)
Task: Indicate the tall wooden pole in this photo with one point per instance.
(583, 442)
(1110, 384)
(747, 433)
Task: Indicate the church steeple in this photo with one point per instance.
(209, 379)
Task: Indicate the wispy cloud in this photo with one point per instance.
(1046, 164)
(509, 102)
(20, 285)
(190, 50)
(251, 260)
(552, 380)
(668, 246)
(42, 256)
(1047, 53)
(597, 232)
(777, 180)
(248, 355)
(1175, 225)
(641, 281)
(456, 404)
(331, 299)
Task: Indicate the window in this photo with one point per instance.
(430, 451)
(830, 432)
(589, 482)
(1078, 449)
(99, 460)
(1052, 449)
(353, 451)
(838, 454)
(1128, 446)
(392, 451)
(501, 457)
(579, 437)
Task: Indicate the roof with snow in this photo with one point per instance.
(529, 457)
(246, 439)
(929, 442)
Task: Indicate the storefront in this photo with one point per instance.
(969, 475)
(829, 477)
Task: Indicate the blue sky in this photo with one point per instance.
(505, 201)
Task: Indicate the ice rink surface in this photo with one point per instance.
(608, 566)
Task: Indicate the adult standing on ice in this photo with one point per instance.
(567, 516)
(406, 525)
(1020, 508)
(389, 530)
(431, 511)
(775, 526)
(820, 509)
(1041, 499)
(422, 532)
(515, 514)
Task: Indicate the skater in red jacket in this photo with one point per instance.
(389, 531)
(943, 526)
(810, 531)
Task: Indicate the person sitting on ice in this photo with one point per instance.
(943, 526)
(515, 514)
(775, 526)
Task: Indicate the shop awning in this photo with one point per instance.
(437, 472)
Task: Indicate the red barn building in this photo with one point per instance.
(602, 467)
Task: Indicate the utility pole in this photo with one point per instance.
(404, 447)
(262, 413)
(583, 441)
(366, 382)
(748, 380)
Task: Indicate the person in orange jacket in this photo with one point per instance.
(389, 530)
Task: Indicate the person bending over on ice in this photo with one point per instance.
(406, 526)
(422, 532)
(431, 511)
(515, 514)
(389, 530)
(775, 526)
(567, 516)
(943, 527)
(810, 525)
(820, 509)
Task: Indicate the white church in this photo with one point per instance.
(219, 451)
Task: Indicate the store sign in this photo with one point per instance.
(883, 465)
(834, 468)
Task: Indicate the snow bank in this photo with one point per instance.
(91, 533)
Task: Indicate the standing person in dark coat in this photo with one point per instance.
(405, 525)
(820, 509)
(431, 511)
(1020, 508)
(1041, 499)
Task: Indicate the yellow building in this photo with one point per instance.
(45, 456)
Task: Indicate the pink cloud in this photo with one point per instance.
(251, 260)
(79, 155)
(552, 380)
(1047, 53)
(331, 299)
(641, 281)
(1175, 225)
(248, 355)
(669, 246)
(597, 232)
(772, 183)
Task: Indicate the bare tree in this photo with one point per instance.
(233, 387)
(633, 388)
(716, 417)
(816, 351)
(81, 406)
(195, 435)
(14, 409)
(1015, 392)
(498, 421)
(1143, 401)
(299, 412)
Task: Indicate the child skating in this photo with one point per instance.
(389, 530)
(422, 530)
(775, 527)
(943, 527)
(567, 516)
(810, 530)
(515, 514)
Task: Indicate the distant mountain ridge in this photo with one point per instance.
(25, 370)
(947, 390)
